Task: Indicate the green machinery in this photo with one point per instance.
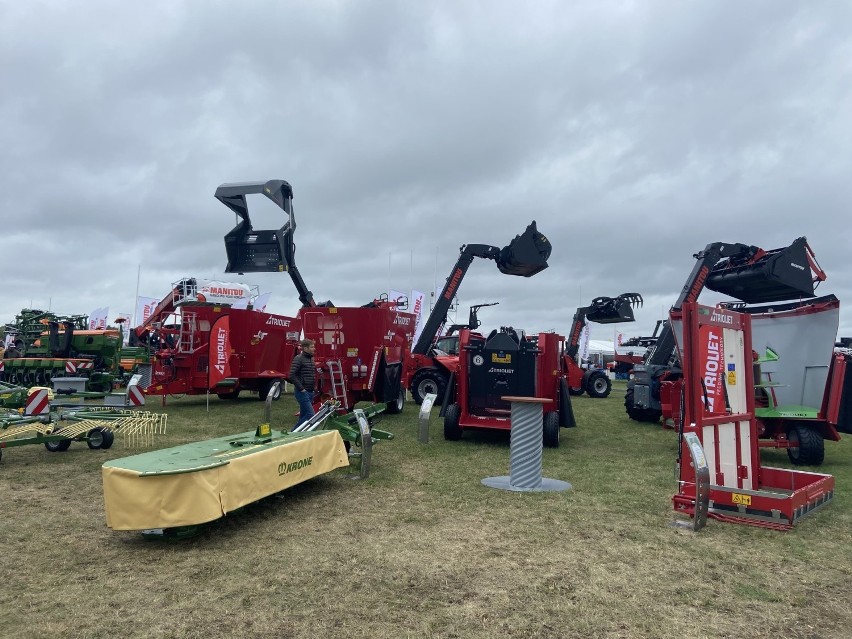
(47, 346)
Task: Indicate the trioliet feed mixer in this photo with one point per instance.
(360, 351)
(719, 469)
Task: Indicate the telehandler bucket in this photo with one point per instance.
(768, 276)
(251, 251)
(612, 310)
(525, 255)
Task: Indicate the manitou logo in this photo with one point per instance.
(722, 318)
(711, 370)
(277, 321)
(221, 351)
(454, 282)
(226, 292)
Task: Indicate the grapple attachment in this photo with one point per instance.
(768, 276)
(526, 255)
(613, 310)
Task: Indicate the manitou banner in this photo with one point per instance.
(220, 292)
(418, 298)
(220, 351)
(145, 307)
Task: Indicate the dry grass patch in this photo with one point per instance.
(422, 548)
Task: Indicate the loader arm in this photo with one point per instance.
(526, 255)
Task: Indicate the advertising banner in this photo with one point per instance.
(418, 299)
(220, 351)
(145, 307)
(711, 349)
(215, 292)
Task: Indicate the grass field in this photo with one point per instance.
(422, 548)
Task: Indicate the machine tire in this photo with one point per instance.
(640, 414)
(575, 391)
(598, 385)
(395, 407)
(58, 447)
(551, 429)
(452, 430)
(100, 438)
(811, 446)
(428, 380)
(234, 394)
(266, 386)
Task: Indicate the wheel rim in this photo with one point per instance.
(96, 438)
(599, 385)
(427, 386)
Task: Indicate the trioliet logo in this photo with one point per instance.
(221, 355)
(722, 318)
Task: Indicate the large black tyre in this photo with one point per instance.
(807, 447)
(551, 429)
(58, 447)
(428, 380)
(640, 414)
(575, 391)
(230, 395)
(598, 385)
(395, 407)
(452, 430)
(266, 387)
(100, 438)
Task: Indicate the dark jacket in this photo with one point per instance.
(303, 373)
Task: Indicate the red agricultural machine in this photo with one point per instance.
(801, 387)
(719, 470)
(360, 351)
(507, 363)
(602, 310)
(200, 344)
(428, 371)
(800, 382)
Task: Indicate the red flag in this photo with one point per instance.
(220, 351)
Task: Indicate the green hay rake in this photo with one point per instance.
(97, 426)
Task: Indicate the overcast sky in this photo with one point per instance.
(633, 133)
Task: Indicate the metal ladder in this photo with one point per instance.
(187, 332)
(338, 382)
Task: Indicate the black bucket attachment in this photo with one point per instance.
(774, 276)
(613, 310)
(251, 251)
(526, 255)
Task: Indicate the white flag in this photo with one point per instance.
(145, 308)
(418, 299)
(125, 325)
(98, 318)
(397, 296)
(584, 344)
(241, 303)
(261, 301)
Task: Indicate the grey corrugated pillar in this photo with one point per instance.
(525, 450)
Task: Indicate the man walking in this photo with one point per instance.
(303, 376)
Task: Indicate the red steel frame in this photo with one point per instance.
(749, 493)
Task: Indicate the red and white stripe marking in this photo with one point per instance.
(38, 402)
(70, 368)
(135, 396)
(85, 365)
(2, 366)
